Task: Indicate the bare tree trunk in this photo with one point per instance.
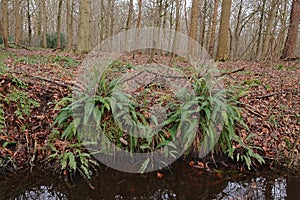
(213, 28)
(261, 23)
(157, 23)
(203, 24)
(130, 15)
(177, 29)
(112, 15)
(102, 21)
(222, 51)
(18, 30)
(186, 16)
(291, 40)
(5, 32)
(84, 35)
(270, 25)
(44, 10)
(29, 23)
(70, 7)
(237, 31)
(138, 24)
(193, 26)
(58, 28)
(194, 20)
(129, 21)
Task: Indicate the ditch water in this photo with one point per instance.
(182, 182)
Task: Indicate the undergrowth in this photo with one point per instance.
(217, 109)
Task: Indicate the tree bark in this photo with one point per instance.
(29, 23)
(58, 27)
(18, 30)
(261, 23)
(222, 51)
(130, 15)
(194, 20)
(270, 25)
(177, 29)
(70, 7)
(5, 32)
(291, 40)
(84, 35)
(213, 28)
(44, 10)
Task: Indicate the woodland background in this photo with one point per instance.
(228, 29)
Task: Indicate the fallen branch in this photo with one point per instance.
(60, 83)
(253, 110)
(234, 71)
(274, 94)
(19, 45)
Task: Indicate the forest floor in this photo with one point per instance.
(269, 93)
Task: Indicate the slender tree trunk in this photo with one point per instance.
(194, 20)
(5, 32)
(112, 15)
(44, 10)
(58, 28)
(261, 23)
(186, 16)
(291, 40)
(237, 31)
(18, 30)
(84, 35)
(203, 24)
(29, 23)
(177, 29)
(102, 21)
(222, 51)
(70, 7)
(270, 25)
(129, 17)
(157, 24)
(138, 24)
(213, 28)
(193, 26)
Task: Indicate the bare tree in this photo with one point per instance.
(44, 19)
(18, 25)
(291, 40)
(5, 32)
(29, 22)
(222, 51)
(194, 20)
(213, 28)
(270, 25)
(70, 7)
(58, 28)
(84, 33)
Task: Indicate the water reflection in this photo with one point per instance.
(182, 183)
(42, 192)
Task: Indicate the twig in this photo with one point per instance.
(234, 71)
(253, 110)
(276, 93)
(22, 46)
(61, 83)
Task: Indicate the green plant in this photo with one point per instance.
(64, 61)
(110, 107)
(73, 159)
(221, 107)
(52, 40)
(21, 101)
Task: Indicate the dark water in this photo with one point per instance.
(182, 182)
